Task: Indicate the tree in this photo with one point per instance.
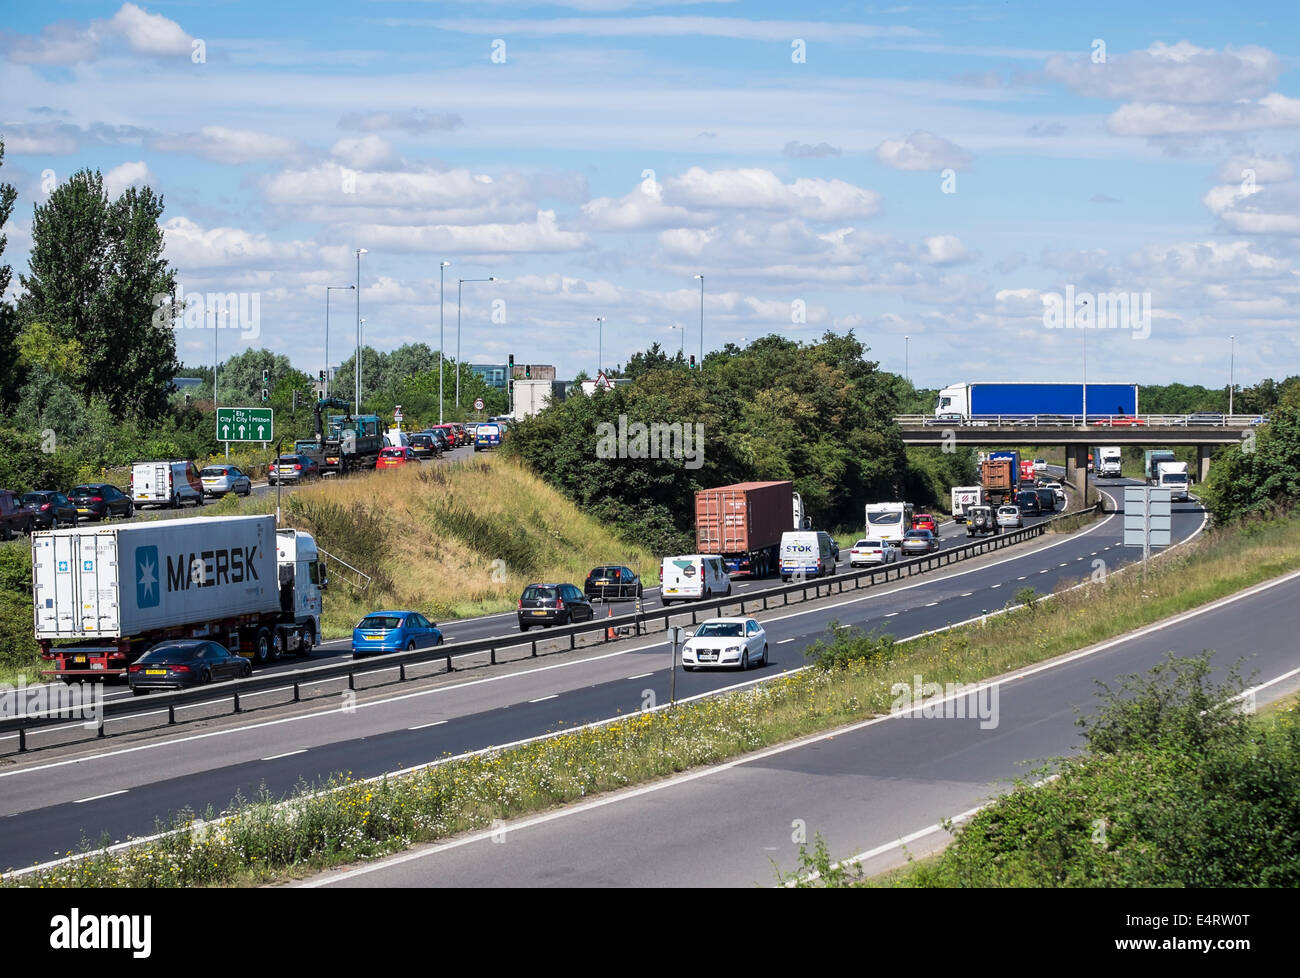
(240, 377)
(9, 372)
(1262, 472)
(94, 271)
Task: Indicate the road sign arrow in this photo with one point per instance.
(260, 428)
(241, 431)
(225, 430)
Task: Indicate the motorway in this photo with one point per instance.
(51, 802)
(862, 789)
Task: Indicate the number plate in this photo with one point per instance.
(97, 665)
(707, 656)
(539, 612)
(80, 658)
(155, 672)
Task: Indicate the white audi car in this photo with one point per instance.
(718, 642)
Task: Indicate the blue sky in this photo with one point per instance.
(595, 155)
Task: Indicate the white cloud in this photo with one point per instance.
(67, 42)
(922, 151)
(224, 145)
(542, 235)
(365, 153)
(1156, 119)
(412, 121)
(1268, 169)
(755, 189)
(127, 175)
(1179, 73)
(1261, 209)
(946, 249)
(148, 33)
(190, 246)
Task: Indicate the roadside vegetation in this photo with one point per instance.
(851, 679)
(818, 414)
(1178, 786)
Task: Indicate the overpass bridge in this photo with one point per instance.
(1077, 435)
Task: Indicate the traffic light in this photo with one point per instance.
(528, 371)
(692, 361)
(266, 378)
(266, 395)
(511, 371)
(322, 376)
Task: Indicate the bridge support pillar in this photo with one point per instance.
(1076, 467)
(1203, 453)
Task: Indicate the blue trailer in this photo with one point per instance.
(999, 399)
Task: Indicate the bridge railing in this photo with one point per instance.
(1076, 420)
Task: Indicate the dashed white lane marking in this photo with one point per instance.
(82, 801)
(276, 757)
(542, 699)
(422, 726)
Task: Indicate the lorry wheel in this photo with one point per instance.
(277, 645)
(306, 642)
(262, 647)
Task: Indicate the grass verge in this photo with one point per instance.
(264, 841)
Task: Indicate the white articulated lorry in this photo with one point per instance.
(106, 595)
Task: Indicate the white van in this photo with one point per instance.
(700, 576)
(806, 553)
(166, 484)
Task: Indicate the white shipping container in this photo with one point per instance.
(110, 582)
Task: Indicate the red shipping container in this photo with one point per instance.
(743, 518)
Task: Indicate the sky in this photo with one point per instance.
(937, 178)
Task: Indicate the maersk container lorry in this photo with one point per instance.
(106, 595)
(968, 400)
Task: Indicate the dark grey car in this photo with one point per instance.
(553, 604)
(185, 663)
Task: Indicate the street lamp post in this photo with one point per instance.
(361, 329)
(325, 392)
(907, 372)
(356, 408)
(701, 278)
(1232, 364)
(682, 330)
(441, 267)
(459, 283)
(600, 344)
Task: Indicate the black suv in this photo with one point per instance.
(50, 510)
(1028, 503)
(612, 581)
(553, 604)
(425, 446)
(1046, 500)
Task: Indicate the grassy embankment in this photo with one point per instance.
(262, 841)
(430, 536)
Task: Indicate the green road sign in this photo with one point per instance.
(245, 424)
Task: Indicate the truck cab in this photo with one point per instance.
(302, 579)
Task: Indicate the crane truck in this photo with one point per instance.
(350, 443)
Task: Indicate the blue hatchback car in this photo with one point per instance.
(393, 631)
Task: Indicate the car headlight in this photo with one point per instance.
(734, 648)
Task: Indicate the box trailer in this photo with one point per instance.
(963, 497)
(105, 595)
(743, 524)
(1003, 399)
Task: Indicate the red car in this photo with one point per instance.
(924, 521)
(1128, 422)
(453, 436)
(391, 458)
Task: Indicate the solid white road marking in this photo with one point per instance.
(422, 726)
(641, 675)
(541, 699)
(276, 757)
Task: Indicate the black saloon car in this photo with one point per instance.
(99, 501)
(184, 663)
(50, 510)
(553, 604)
(612, 581)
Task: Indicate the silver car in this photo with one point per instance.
(920, 542)
(1010, 516)
(220, 479)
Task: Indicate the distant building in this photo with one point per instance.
(534, 371)
(185, 383)
(493, 374)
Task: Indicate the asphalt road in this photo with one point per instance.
(861, 790)
(48, 805)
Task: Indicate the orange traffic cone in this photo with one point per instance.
(609, 632)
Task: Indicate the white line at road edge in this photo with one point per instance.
(871, 595)
(816, 738)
